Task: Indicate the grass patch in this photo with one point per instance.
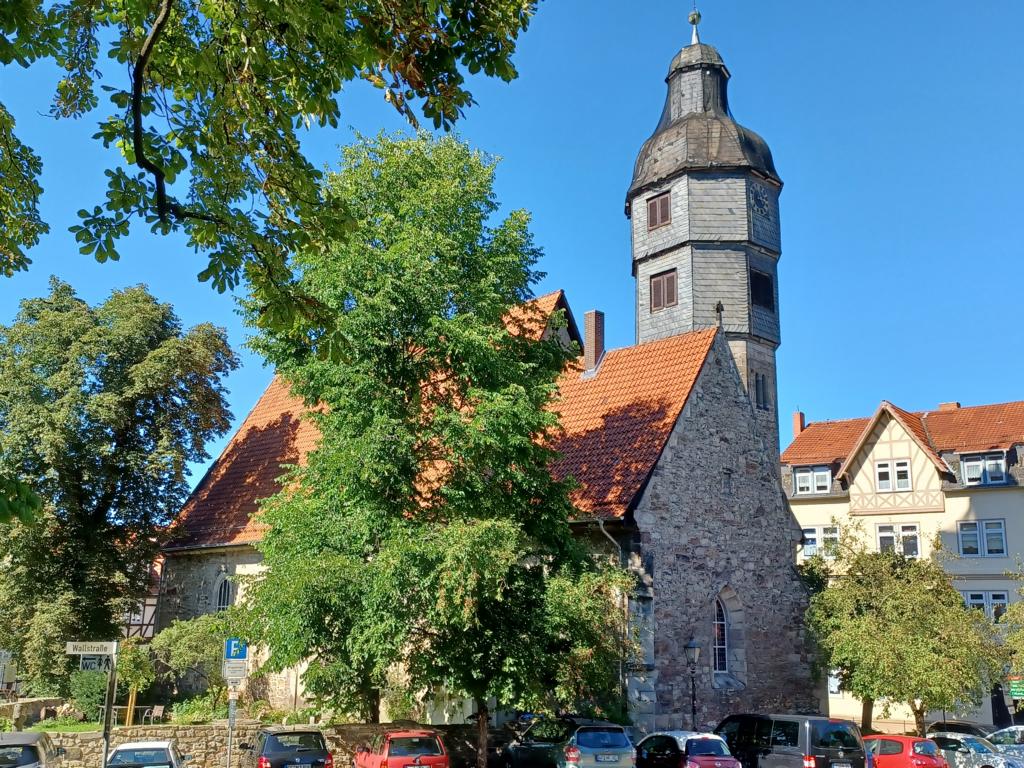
(64, 725)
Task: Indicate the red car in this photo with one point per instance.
(904, 752)
(403, 749)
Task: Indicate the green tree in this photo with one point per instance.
(101, 410)
(425, 530)
(206, 104)
(895, 628)
(193, 651)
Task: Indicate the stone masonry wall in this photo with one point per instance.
(27, 711)
(713, 522)
(207, 744)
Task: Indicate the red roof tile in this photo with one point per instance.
(961, 430)
(219, 509)
(615, 422)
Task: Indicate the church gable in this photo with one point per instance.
(715, 550)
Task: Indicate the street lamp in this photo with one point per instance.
(692, 654)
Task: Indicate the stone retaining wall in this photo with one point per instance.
(207, 744)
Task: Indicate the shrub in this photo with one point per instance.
(201, 709)
(6, 725)
(88, 691)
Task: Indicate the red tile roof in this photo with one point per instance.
(961, 430)
(615, 424)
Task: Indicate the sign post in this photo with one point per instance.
(100, 656)
(236, 667)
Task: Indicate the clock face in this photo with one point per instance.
(760, 200)
(764, 214)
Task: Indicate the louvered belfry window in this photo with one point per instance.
(663, 290)
(658, 213)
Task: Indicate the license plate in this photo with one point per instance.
(840, 765)
(615, 759)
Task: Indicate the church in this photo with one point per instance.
(674, 441)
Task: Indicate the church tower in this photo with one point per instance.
(704, 210)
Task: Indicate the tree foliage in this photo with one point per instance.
(426, 530)
(101, 410)
(205, 106)
(895, 628)
(193, 651)
(135, 668)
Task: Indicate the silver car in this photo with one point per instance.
(962, 750)
(1009, 740)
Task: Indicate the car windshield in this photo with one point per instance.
(835, 735)
(978, 744)
(926, 748)
(406, 746)
(18, 755)
(140, 757)
(695, 747)
(296, 742)
(602, 738)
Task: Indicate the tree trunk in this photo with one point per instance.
(919, 720)
(373, 705)
(867, 711)
(482, 728)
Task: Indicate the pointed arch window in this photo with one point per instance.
(225, 595)
(720, 650)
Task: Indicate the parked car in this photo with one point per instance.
(571, 743)
(277, 746)
(684, 749)
(25, 750)
(403, 749)
(962, 750)
(793, 741)
(1009, 739)
(960, 726)
(140, 754)
(904, 752)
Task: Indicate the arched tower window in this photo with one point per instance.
(225, 595)
(721, 638)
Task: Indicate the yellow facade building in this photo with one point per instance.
(905, 480)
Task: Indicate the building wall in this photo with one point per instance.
(189, 589)
(936, 506)
(713, 523)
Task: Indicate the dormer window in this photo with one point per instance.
(663, 290)
(659, 211)
(984, 469)
(808, 480)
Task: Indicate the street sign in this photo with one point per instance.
(235, 669)
(91, 649)
(236, 649)
(1017, 687)
(94, 663)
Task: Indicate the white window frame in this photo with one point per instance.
(720, 650)
(881, 466)
(822, 536)
(820, 480)
(981, 531)
(987, 601)
(982, 461)
(899, 464)
(892, 467)
(899, 532)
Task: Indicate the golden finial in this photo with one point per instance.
(694, 21)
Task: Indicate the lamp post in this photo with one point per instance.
(692, 655)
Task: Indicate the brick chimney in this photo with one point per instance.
(949, 406)
(593, 339)
(798, 423)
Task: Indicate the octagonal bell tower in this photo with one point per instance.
(704, 211)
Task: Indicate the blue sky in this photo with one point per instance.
(896, 128)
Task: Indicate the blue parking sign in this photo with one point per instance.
(234, 648)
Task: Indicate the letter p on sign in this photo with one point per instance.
(235, 649)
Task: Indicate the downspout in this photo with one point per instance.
(625, 617)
